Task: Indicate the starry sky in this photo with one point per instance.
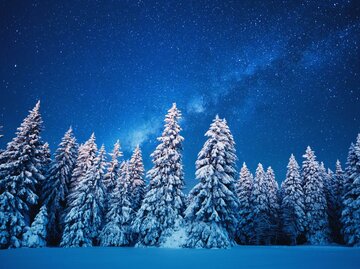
(285, 74)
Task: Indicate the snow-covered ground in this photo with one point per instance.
(127, 258)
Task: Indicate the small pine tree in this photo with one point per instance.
(243, 191)
(213, 210)
(350, 217)
(137, 185)
(317, 225)
(161, 212)
(118, 231)
(56, 186)
(12, 221)
(85, 212)
(261, 215)
(21, 167)
(292, 205)
(35, 236)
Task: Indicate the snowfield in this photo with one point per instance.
(303, 257)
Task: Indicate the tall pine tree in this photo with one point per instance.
(118, 230)
(334, 187)
(137, 186)
(21, 171)
(261, 212)
(350, 217)
(293, 204)
(57, 183)
(85, 211)
(85, 160)
(213, 210)
(162, 209)
(273, 197)
(316, 218)
(113, 170)
(243, 190)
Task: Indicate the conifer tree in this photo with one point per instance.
(273, 198)
(21, 167)
(113, 170)
(137, 186)
(35, 236)
(243, 190)
(292, 205)
(261, 215)
(56, 186)
(118, 230)
(85, 212)
(162, 209)
(350, 217)
(317, 225)
(213, 210)
(86, 157)
(335, 185)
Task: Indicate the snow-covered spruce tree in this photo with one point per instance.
(316, 218)
(137, 186)
(213, 210)
(162, 209)
(83, 221)
(21, 166)
(350, 217)
(334, 189)
(292, 205)
(46, 158)
(243, 190)
(56, 185)
(261, 212)
(113, 170)
(86, 157)
(35, 236)
(118, 228)
(273, 196)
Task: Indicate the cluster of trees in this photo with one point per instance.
(79, 198)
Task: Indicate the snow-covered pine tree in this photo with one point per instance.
(213, 210)
(292, 205)
(137, 186)
(86, 157)
(273, 197)
(118, 229)
(162, 209)
(57, 183)
(35, 236)
(113, 170)
(21, 169)
(350, 217)
(317, 225)
(243, 191)
(83, 221)
(46, 158)
(260, 214)
(335, 202)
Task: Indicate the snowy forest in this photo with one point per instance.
(81, 196)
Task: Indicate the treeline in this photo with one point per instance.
(80, 198)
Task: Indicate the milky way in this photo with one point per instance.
(285, 74)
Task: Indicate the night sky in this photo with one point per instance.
(285, 74)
